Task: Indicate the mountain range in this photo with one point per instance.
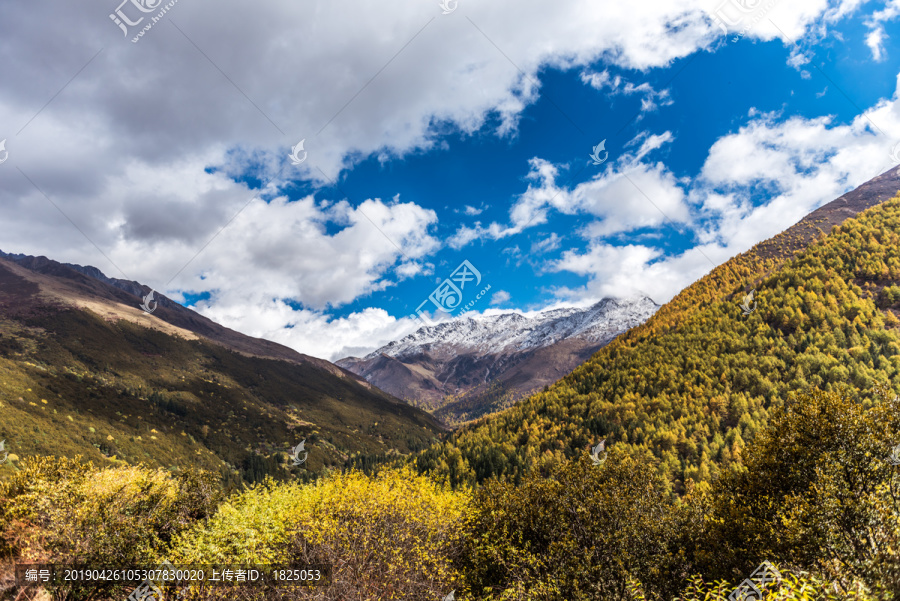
(473, 365)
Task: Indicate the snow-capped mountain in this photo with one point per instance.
(466, 367)
(514, 332)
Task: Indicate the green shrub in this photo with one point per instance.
(818, 491)
(889, 296)
(793, 587)
(578, 532)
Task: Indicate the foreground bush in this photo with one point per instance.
(392, 536)
(793, 587)
(583, 532)
(58, 510)
(818, 495)
(819, 491)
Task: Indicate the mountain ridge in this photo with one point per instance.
(450, 366)
(167, 310)
(497, 333)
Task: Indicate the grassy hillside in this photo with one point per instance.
(72, 384)
(696, 383)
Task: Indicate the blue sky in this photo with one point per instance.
(476, 179)
(432, 139)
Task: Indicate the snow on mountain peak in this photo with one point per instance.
(514, 332)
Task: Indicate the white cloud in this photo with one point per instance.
(545, 245)
(500, 297)
(354, 335)
(798, 59)
(875, 42)
(625, 271)
(651, 99)
(796, 19)
(628, 196)
(876, 37)
(281, 250)
(649, 142)
(645, 196)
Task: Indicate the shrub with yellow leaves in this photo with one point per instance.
(389, 536)
(58, 510)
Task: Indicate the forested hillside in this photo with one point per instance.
(695, 384)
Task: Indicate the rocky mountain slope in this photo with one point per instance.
(464, 368)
